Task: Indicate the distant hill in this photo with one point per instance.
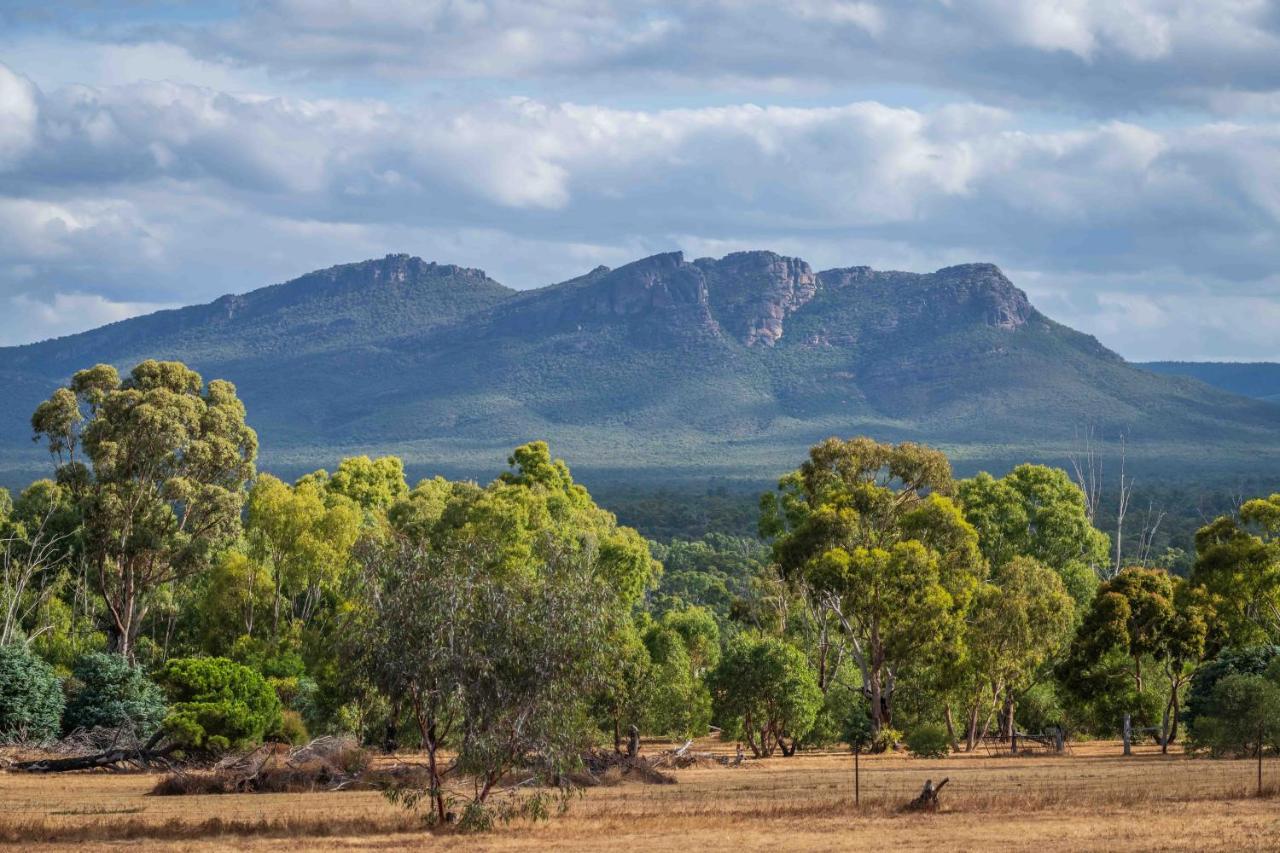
(662, 368)
(1257, 379)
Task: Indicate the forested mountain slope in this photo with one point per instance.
(1258, 379)
(662, 368)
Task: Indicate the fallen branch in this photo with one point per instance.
(138, 757)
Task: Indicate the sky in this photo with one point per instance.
(1118, 159)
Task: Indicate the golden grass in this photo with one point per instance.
(1093, 799)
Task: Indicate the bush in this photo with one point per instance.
(1242, 717)
(769, 683)
(106, 690)
(217, 704)
(928, 740)
(30, 696)
(1251, 660)
(291, 729)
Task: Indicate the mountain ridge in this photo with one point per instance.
(685, 363)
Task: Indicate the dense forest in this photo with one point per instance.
(157, 582)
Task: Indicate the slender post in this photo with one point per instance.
(1260, 758)
(1128, 734)
(858, 778)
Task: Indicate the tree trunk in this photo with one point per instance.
(951, 728)
(971, 735)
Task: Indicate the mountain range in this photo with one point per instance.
(665, 368)
(1258, 379)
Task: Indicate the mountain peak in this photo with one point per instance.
(679, 361)
(985, 291)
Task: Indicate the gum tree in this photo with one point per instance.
(868, 530)
(162, 481)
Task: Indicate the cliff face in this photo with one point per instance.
(752, 293)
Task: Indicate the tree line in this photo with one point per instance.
(158, 581)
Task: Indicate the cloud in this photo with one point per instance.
(1100, 56)
(28, 318)
(159, 192)
(18, 116)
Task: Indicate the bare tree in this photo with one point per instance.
(1122, 507)
(1086, 464)
(1151, 521)
(31, 569)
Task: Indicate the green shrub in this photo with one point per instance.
(928, 740)
(291, 729)
(217, 704)
(106, 690)
(885, 740)
(1250, 660)
(770, 683)
(1242, 716)
(30, 696)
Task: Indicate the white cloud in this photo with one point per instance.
(158, 191)
(18, 116)
(29, 318)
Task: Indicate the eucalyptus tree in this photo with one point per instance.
(870, 532)
(494, 613)
(1238, 567)
(1144, 615)
(1020, 620)
(157, 462)
(1037, 511)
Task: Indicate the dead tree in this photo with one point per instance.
(140, 757)
(1122, 508)
(927, 801)
(1086, 463)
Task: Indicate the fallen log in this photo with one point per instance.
(141, 757)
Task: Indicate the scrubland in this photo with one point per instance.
(1091, 799)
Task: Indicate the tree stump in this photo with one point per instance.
(927, 801)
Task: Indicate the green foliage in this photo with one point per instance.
(1144, 615)
(856, 729)
(869, 530)
(1238, 568)
(168, 460)
(680, 648)
(291, 729)
(31, 699)
(711, 572)
(106, 690)
(494, 614)
(928, 740)
(1036, 511)
(1021, 618)
(1242, 716)
(1250, 660)
(374, 484)
(766, 689)
(217, 704)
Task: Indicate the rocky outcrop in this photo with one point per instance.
(981, 293)
(752, 293)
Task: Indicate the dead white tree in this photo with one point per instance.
(1122, 508)
(1151, 521)
(30, 570)
(1086, 464)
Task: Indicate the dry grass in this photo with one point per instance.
(1091, 800)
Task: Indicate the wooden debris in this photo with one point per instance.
(927, 801)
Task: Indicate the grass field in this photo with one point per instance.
(1092, 799)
